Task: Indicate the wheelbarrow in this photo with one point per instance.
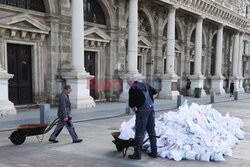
(18, 137)
(123, 145)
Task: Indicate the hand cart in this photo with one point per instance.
(18, 136)
(123, 145)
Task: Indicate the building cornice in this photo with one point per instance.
(213, 11)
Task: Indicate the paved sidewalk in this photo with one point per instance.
(102, 110)
(97, 150)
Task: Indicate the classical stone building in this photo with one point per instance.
(45, 44)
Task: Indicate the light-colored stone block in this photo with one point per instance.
(80, 95)
(217, 86)
(6, 107)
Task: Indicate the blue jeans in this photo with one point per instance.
(145, 121)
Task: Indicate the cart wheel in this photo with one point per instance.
(17, 138)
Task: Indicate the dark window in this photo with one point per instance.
(165, 65)
(191, 68)
(244, 49)
(36, 5)
(247, 8)
(213, 55)
(93, 12)
(193, 36)
(176, 34)
(139, 64)
(144, 24)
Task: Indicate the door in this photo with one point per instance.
(89, 64)
(19, 64)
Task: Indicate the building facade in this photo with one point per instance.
(48, 43)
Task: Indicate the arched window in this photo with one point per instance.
(36, 5)
(193, 36)
(93, 12)
(144, 24)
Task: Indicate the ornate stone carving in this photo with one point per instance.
(229, 13)
(143, 22)
(115, 4)
(95, 37)
(23, 26)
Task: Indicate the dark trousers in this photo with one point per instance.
(231, 92)
(59, 128)
(145, 121)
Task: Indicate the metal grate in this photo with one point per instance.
(36, 5)
(93, 12)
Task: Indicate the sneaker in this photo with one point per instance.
(53, 141)
(134, 157)
(152, 155)
(77, 141)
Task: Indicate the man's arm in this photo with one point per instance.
(153, 91)
(132, 99)
(63, 107)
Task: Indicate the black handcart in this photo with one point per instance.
(18, 136)
(123, 145)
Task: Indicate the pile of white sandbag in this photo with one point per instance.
(198, 132)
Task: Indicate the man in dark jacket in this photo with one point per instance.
(141, 100)
(231, 88)
(188, 86)
(65, 118)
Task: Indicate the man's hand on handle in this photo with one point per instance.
(66, 119)
(154, 96)
(134, 109)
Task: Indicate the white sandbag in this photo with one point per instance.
(196, 132)
(127, 129)
(189, 155)
(217, 156)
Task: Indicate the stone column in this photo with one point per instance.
(132, 36)
(132, 48)
(6, 107)
(217, 79)
(235, 76)
(77, 77)
(169, 80)
(198, 47)
(240, 63)
(197, 79)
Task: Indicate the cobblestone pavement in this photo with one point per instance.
(102, 110)
(97, 150)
